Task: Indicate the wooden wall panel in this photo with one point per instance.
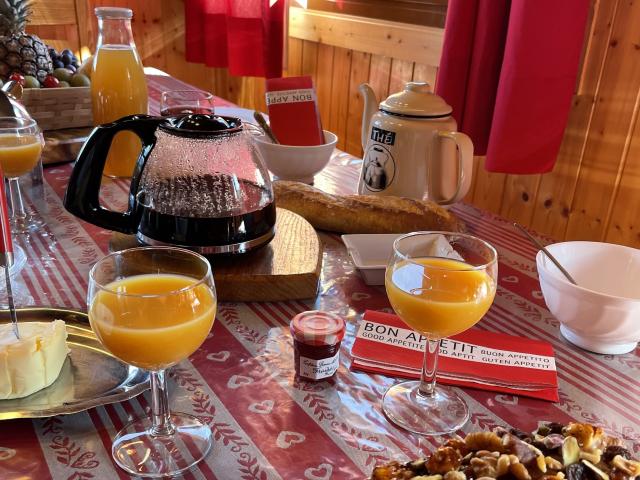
(324, 81)
(360, 63)
(607, 139)
(340, 94)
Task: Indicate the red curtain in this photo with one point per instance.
(509, 70)
(244, 35)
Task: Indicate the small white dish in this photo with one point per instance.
(602, 312)
(294, 162)
(370, 254)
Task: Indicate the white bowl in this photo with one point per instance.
(602, 312)
(293, 162)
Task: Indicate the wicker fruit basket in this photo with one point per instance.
(58, 108)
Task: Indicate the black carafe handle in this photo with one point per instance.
(82, 198)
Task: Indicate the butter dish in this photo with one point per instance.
(370, 254)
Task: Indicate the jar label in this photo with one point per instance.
(317, 369)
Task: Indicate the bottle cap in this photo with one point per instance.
(317, 328)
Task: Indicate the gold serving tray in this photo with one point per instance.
(90, 376)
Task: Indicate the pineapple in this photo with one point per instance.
(19, 51)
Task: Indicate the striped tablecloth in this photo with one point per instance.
(241, 381)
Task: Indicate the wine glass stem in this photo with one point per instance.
(15, 199)
(161, 419)
(429, 367)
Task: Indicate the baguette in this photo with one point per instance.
(363, 213)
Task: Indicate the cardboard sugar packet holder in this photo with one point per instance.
(475, 358)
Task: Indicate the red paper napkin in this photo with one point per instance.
(293, 111)
(475, 358)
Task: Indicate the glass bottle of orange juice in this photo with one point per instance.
(118, 85)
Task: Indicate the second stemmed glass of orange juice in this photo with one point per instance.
(440, 284)
(21, 144)
(152, 307)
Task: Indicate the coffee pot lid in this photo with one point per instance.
(416, 100)
(201, 125)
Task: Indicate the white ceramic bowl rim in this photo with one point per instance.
(333, 139)
(558, 276)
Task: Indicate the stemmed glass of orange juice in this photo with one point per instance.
(152, 307)
(440, 284)
(21, 144)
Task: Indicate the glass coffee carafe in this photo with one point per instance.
(199, 183)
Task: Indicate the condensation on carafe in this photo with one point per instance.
(204, 178)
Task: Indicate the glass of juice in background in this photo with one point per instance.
(118, 86)
(152, 307)
(21, 144)
(185, 102)
(438, 290)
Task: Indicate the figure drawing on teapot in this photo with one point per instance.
(379, 168)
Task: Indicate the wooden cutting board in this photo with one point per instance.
(288, 268)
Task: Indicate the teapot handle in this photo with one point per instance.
(82, 198)
(464, 154)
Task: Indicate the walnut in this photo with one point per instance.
(391, 471)
(552, 463)
(484, 441)
(443, 460)
(487, 453)
(630, 467)
(455, 475)
(519, 471)
(457, 444)
(484, 467)
(502, 466)
(587, 435)
(557, 476)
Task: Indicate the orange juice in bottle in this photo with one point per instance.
(118, 86)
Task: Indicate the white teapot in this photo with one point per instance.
(411, 147)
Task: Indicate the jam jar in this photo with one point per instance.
(316, 342)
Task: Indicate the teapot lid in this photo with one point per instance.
(416, 100)
(201, 125)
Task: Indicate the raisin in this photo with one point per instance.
(554, 427)
(577, 471)
(613, 450)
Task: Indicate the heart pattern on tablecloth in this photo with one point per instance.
(287, 439)
(221, 356)
(510, 279)
(238, 381)
(321, 472)
(263, 408)
(507, 399)
(7, 453)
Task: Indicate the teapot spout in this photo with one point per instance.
(370, 107)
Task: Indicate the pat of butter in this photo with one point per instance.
(33, 362)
